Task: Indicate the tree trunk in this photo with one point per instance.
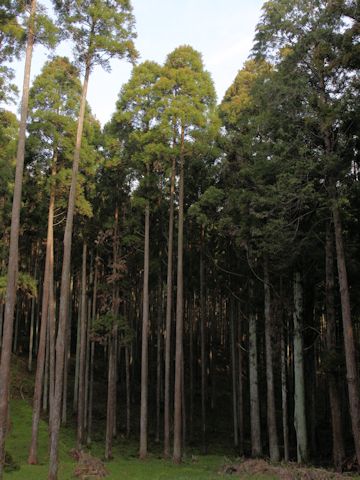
(284, 398)
(177, 453)
(65, 289)
(352, 375)
(158, 361)
(256, 448)
(81, 411)
(240, 388)
(128, 393)
(33, 458)
(111, 394)
(202, 341)
(271, 410)
(10, 298)
(299, 412)
(168, 315)
(144, 343)
(234, 376)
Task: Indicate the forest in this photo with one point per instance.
(181, 282)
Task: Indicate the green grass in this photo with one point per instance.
(124, 466)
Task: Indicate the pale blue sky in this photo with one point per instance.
(222, 30)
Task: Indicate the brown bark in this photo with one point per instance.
(168, 315)
(352, 375)
(10, 298)
(144, 343)
(202, 341)
(49, 256)
(111, 394)
(256, 447)
(270, 391)
(177, 453)
(81, 411)
(234, 377)
(65, 289)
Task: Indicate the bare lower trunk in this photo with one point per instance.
(299, 413)
(144, 349)
(168, 316)
(234, 377)
(240, 389)
(128, 393)
(158, 363)
(81, 411)
(202, 341)
(177, 453)
(284, 396)
(270, 389)
(65, 290)
(256, 448)
(33, 459)
(10, 298)
(352, 375)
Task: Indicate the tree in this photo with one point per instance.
(101, 31)
(31, 32)
(310, 41)
(189, 98)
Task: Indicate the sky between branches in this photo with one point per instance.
(222, 31)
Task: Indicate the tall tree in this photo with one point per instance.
(32, 33)
(190, 97)
(101, 31)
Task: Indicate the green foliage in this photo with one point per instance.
(26, 285)
(101, 30)
(103, 326)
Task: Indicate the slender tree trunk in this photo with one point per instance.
(234, 376)
(77, 360)
(168, 315)
(10, 298)
(67, 354)
(52, 330)
(32, 320)
(158, 361)
(284, 397)
(256, 448)
(271, 410)
(202, 341)
(65, 289)
(111, 394)
(144, 344)
(240, 389)
(177, 453)
(33, 458)
(299, 413)
(352, 375)
(81, 411)
(128, 392)
(92, 355)
(335, 402)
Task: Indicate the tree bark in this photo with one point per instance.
(168, 316)
(177, 453)
(234, 376)
(33, 458)
(299, 413)
(10, 298)
(202, 341)
(81, 411)
(256, 448)
(65, 289)
(144, 343)
(352, 375)
(270, 388)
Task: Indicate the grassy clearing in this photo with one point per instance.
(124, 466)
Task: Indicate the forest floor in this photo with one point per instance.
(126, 465)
